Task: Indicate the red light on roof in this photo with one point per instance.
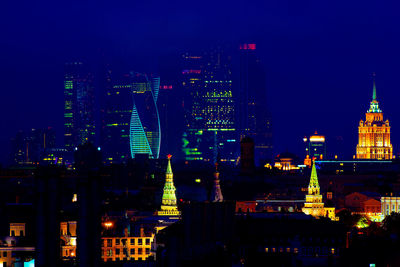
(247, 47)
(191, 71)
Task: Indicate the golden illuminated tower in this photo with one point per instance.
(374, 134)
(314, 205)
(168, 206)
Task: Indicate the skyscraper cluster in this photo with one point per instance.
(220, 105)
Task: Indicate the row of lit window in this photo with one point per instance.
(124, 241)
(309, 251)
(109, 252)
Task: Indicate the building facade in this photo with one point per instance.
(210, 130)
(315, 148)
(131, 123)
(374, 134)
(253, 117)
(32, 147)
(126, 248)
(389, 204)
(145, 131)
(79, 106)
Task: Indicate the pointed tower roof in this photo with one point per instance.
(216, 194)
(168, 202)
(169, 169)
(374, 91)
(313, 186)
(374, 105)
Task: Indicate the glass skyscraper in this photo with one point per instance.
(210, 112)
(145, 132)
(131, 123)
(253, 117)
(79, 119)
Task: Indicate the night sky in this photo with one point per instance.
(318, 55)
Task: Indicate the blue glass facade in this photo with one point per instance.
(145, 130)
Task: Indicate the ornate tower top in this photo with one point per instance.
(374, 105)
(313, 187)
(168, 206)
(216, 194)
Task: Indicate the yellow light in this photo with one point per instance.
(317, 138)
(108, 224)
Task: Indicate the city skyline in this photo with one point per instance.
(308, 67)
(212, 133)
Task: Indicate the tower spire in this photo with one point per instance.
(313, 187)
(216, 194)
(168, 206)
(374, 88)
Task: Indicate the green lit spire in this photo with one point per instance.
(168, 206)
(313, 187)
(374, 92)
(374, 105)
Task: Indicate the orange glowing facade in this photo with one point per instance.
(374, 134)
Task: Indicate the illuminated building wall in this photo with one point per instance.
(389, 205)
(79, 120)
(68, 239)
(210, 111)
(126, 248)
(374, 134)
(253, 117)
(145, 132)
(16, 247)
(131, 122)
(315, 148)
(116, 118)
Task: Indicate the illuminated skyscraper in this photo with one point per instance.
(168, 206)
(145, 134)
(374, 134)
(131, 123)
(253, 117)
(79, 119)
(210, 118)
(116, 118)
(315, 148)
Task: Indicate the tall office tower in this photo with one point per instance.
(168, 206)
(254, 119)
(79, 117)
(374, 134)
(31, 147)
(210, 119)
(315, 147)
(131, 123)
(171, 113)
(145, 132)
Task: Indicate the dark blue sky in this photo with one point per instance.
(318, 55)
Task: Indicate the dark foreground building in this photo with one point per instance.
(211, 234)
